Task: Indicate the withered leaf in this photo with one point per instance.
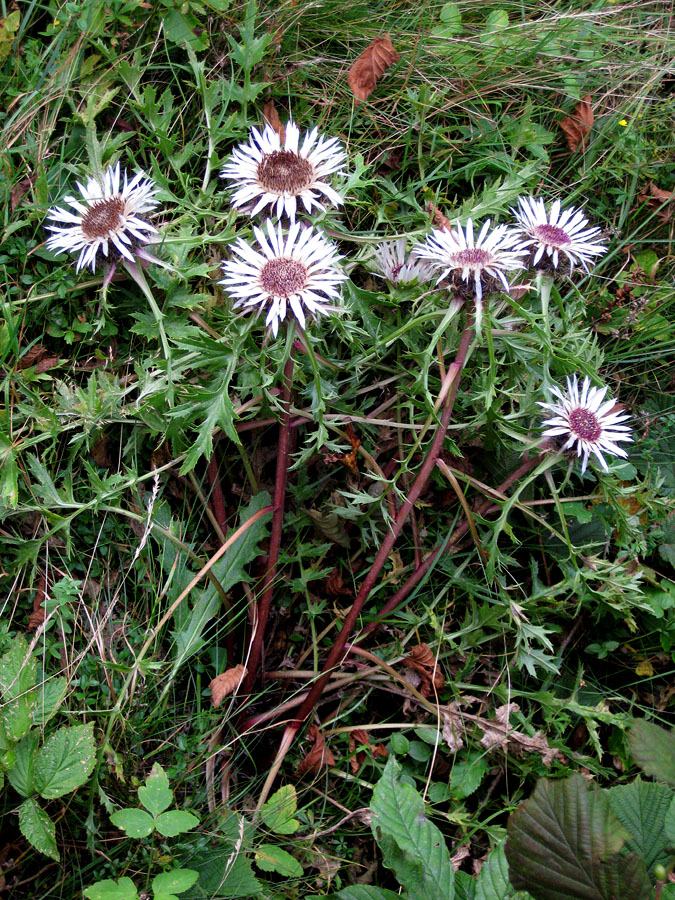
(47, 362)
(655, 197)
(319, 755)
(32, 356)
(272, 116)
(578, 126)
(498, 733)
(437, 217)
(370, 66)
(226, 683)
(20, 190)
(360, 737)
(37, 617)
(423, 661)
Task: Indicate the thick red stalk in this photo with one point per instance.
(277, 525)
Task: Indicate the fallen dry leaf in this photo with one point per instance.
(319, 755)
(578, 126)
(360, 737)
(437, 217)
(272, 116)
(370, 66)
(498, 733)
(20, 190)
(335, 586)
(423, 661)
(226, 683)
(32, 356)
(453, 727)
(37, 617)
(655, 197)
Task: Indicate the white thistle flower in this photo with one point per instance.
(106, 217)
(582, 418)
(557, 232)
(297, 270)
(394, 263)
(265, 173)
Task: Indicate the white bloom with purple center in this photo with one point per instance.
(265, 173)
(557, 232)
(106, 217)
(295, 272)
(393, 262)
(585, 419)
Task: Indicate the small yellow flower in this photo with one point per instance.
(623, 122)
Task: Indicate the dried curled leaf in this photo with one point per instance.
(38, 615)
(498, 733)
(437, 217)
(370, 66)
(319, 755)
(655, 197)
(423, 661)
(578, 126)
(226, 683)
(272, 116)
(360, 737)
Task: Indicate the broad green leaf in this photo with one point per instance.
(367, 892)
(641, 808)
(176, 882)
(225, 874)
(493, 880)
(9, 467)
(230, 569)
(8, 28)
(669, 824)
(51, 694)
(175, 822)
(271, 858)
(653, 749)
(21, 775)
(65, 761)
(123, 889)
(155, 794)
(38, 828)
(465, 777)
(279, 810)
(18, 673)
(136, 822)
(564, 843)
(180, 29)
(411, 845)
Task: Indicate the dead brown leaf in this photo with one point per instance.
(578, 126)
(47, 362)
(370, 66)
(226, 683)
(453, 727)
(20, 190)
(335, 586)
(655, 197)
(32, 356)
(423, 661)
(498, 733)
(319, 755)
(360, 737)
(437, 217)
(272, 116)
(37, 617)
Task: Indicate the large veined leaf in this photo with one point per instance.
(669, 825)
(641, 808)
(21, 774)
(225, 874)
(493, 880)
(280, 809)
(564, 843)
(653, 749)
(65, 761)
(411, 845)
(18, 674)
(366, 892)
(38, 828)
(124, 889)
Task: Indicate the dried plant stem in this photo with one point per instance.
(265, 602)
(451, 385)
(217, 497)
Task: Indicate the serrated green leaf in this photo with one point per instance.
(279, 810)
(653, 749)
(21, 775)
(367, 892)
(50, 696)
(411, 845)
(123, 889)
(493, 880)
(225, 874)
(65, 761)
(18, 674)
(564, 843)
(180, 29)
(642, 808)
(38, 828)
(137, 823)
(271, 858)
(175, 822)
(465, 777)
(176, 882)
(155, 794)
(669, 825)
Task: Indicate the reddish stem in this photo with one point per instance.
(275, 535)
(216, 493)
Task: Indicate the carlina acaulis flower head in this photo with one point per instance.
(557, 234)
(585, 420)
(392, 261)
(108, 216)
(294, 273)
(269, 171)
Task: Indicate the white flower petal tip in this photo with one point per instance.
(105, 217)
(294, 273)
(556, 236)
(265, 173)
(392, 261)
(475, 265)
(583, 420)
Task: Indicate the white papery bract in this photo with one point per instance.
(265, 173)
(105, 217)
(492, 254)
(585, 419)
(294, 272)
(557, 232)
(393, 262)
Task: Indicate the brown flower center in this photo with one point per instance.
(282, 277)
(551, 235)
(104, 217)
(585, 424)
(472, 258)
(284, 171)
